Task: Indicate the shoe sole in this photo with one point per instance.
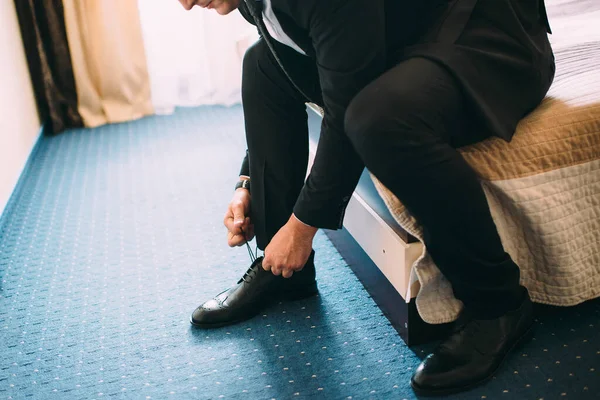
(287, 296)
(525, 337)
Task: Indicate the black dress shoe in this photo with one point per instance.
(473, 353)
(256, 290)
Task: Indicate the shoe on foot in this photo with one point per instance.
(473, 353)
(254, 291)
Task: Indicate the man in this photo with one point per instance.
(403, 83)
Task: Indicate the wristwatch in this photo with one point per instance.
(243, 184)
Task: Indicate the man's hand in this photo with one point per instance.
(289, 249)
(239, 227)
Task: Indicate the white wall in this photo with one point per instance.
(19, 121)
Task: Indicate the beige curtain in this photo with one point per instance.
(109, 63)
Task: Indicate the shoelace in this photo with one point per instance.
(251, 273)
(253, 254)
(471, 330)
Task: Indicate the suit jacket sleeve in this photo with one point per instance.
(349, 41)
(245, 168)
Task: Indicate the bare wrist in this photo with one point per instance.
(305, 228)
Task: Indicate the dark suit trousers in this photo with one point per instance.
(406, 126)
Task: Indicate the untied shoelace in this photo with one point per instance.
(253, 257)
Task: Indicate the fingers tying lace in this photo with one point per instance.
(253, 254)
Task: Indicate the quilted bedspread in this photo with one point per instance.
(543, 187)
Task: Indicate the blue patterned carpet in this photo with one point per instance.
(114, 236)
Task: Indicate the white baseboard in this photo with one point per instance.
(17, 177)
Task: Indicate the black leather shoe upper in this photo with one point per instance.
(255, 290)
(472, 353)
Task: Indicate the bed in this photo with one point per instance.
(543, 189)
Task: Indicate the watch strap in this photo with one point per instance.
(243, 184)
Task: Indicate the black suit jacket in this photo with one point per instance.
(354, 41)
